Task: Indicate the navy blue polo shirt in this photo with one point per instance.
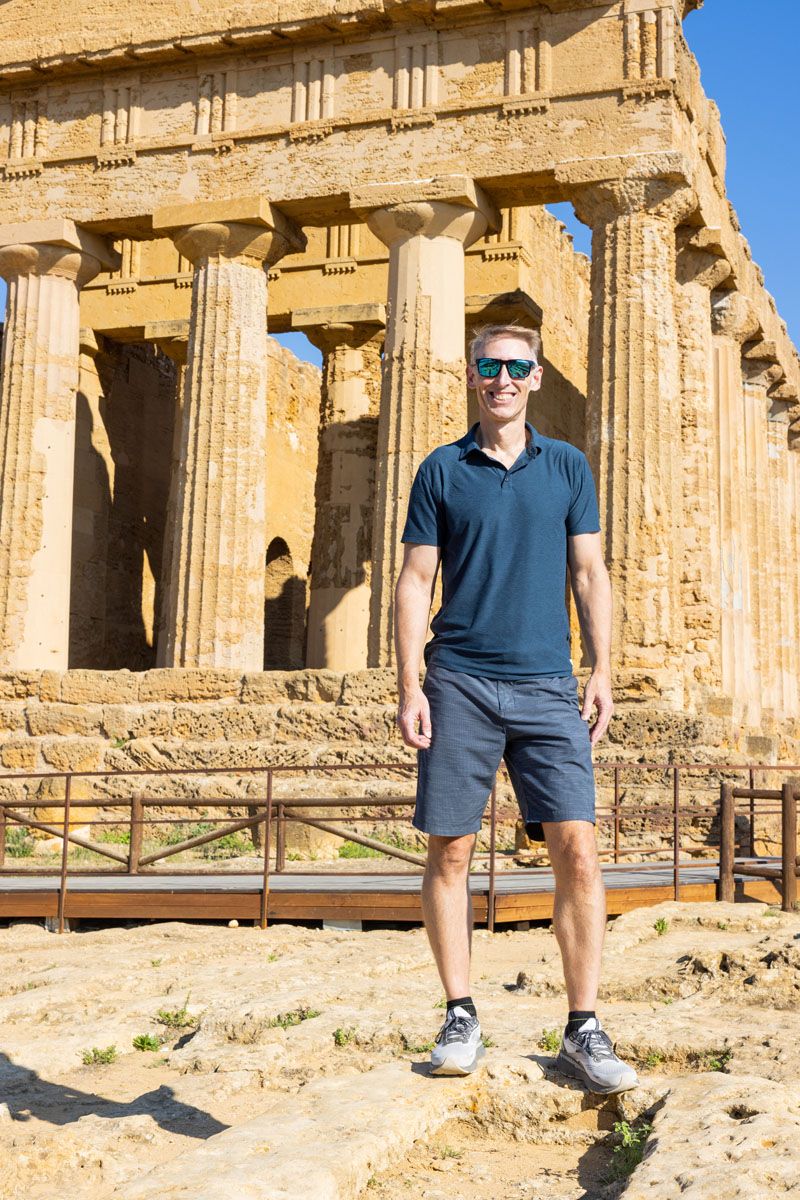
(503, 533)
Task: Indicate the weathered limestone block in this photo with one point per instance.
(99, 687)
(370, 687)
(351, 338)
(45, 264)
(216, 613)
(426, 226)
(81, 720)
(166, 684)
(633, 426)
(274, 686)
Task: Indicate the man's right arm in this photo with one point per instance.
(412, 606)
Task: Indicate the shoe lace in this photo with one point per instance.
(595, 1042)
(455, 1029)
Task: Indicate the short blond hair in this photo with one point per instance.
(487, 333)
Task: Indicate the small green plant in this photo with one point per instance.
(97, 1057)
(115, 835)
(178, 1018)
(773, 911)
(19, 843)
(343, 1037)
(629, 1151)
(147, 1041)
(717, 1060)
(441, 1003)
(550, 1041)
(489, 1042)
(653, 1059)
(722, 924)
(288, 1019)
(119, 742)
(412, 1047)
(273, 957)
(156, 962)
(356, 850)
(661, 925)
(177, 832)
(449, 1152)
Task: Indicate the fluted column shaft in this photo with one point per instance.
(338, 615)
(423, 392)
(698, 273)
(37, 445)
(733, 323)
(782, 564)
(216, 589)
(634, 414)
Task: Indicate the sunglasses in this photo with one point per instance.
(518, 368)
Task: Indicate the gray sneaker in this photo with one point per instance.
(588, 1055)
(458, 1044)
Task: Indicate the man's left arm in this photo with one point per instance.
(591, 588)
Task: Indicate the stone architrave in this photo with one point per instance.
(45, 264)
(699, 271)
(172, 338)
(733, 323)
(633, 425)
(216, 589)
(426, 225)
(351, 339)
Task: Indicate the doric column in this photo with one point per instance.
(782, 564)
(699, 271)
(172, 338)
(633, 426)
(216, 606)
(423, 397)
(350, 338)
(733, 323)
(45, 263)
(759, 371)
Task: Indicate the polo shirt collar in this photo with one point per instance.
(468, 441)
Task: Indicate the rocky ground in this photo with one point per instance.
(292, 1063)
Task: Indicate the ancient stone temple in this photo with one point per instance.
(176, 183)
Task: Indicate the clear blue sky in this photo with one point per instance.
(748, 57)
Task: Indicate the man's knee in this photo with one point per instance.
(449, 857)
(573, 853)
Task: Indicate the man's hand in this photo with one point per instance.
(597, 693)
(415, 711)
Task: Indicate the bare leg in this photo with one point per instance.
(579, 909)
(447, 909)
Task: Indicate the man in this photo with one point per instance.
(505, 510)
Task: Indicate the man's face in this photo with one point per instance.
(504, 398)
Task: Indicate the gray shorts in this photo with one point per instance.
(534, 724)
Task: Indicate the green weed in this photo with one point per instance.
(115, 835)
(178, 1018)
(716, 1060)
(287, 1020)
(629, 1151)
(449, 1152)
(343, 1037)
(147, 1041)
(97, 1057)
(156, 962)
(412, 1047)
(441, 1003)
(356, 850)
(489, 1042)
(653, 1059)
(19, 843)
(550, 1041)
(661, 925)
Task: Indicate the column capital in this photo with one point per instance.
(761, 373)
(599, 204)
(54, 247)
(248, 230)
(450, 206)
(700, 258)
(341, 325)
(732, 316)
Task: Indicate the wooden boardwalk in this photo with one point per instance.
(519, 895)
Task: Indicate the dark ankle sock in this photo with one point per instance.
(575, 1019)
(465, 1003)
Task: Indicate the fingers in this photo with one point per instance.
(414, 721)
(595, 697)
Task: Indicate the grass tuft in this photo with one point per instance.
(343, 1037)
(178, 1018)
(661, 925)
(296, 1017)
(147, 1041)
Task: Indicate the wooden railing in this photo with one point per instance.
(269, 815)
(784, 870)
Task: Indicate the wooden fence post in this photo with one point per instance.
(137, 833)
(788, 847)
(727, 832)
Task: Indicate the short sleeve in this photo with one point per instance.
(425, 523)
(583, 515)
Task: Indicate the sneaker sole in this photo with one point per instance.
(451, 1067)
(566, 1066)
